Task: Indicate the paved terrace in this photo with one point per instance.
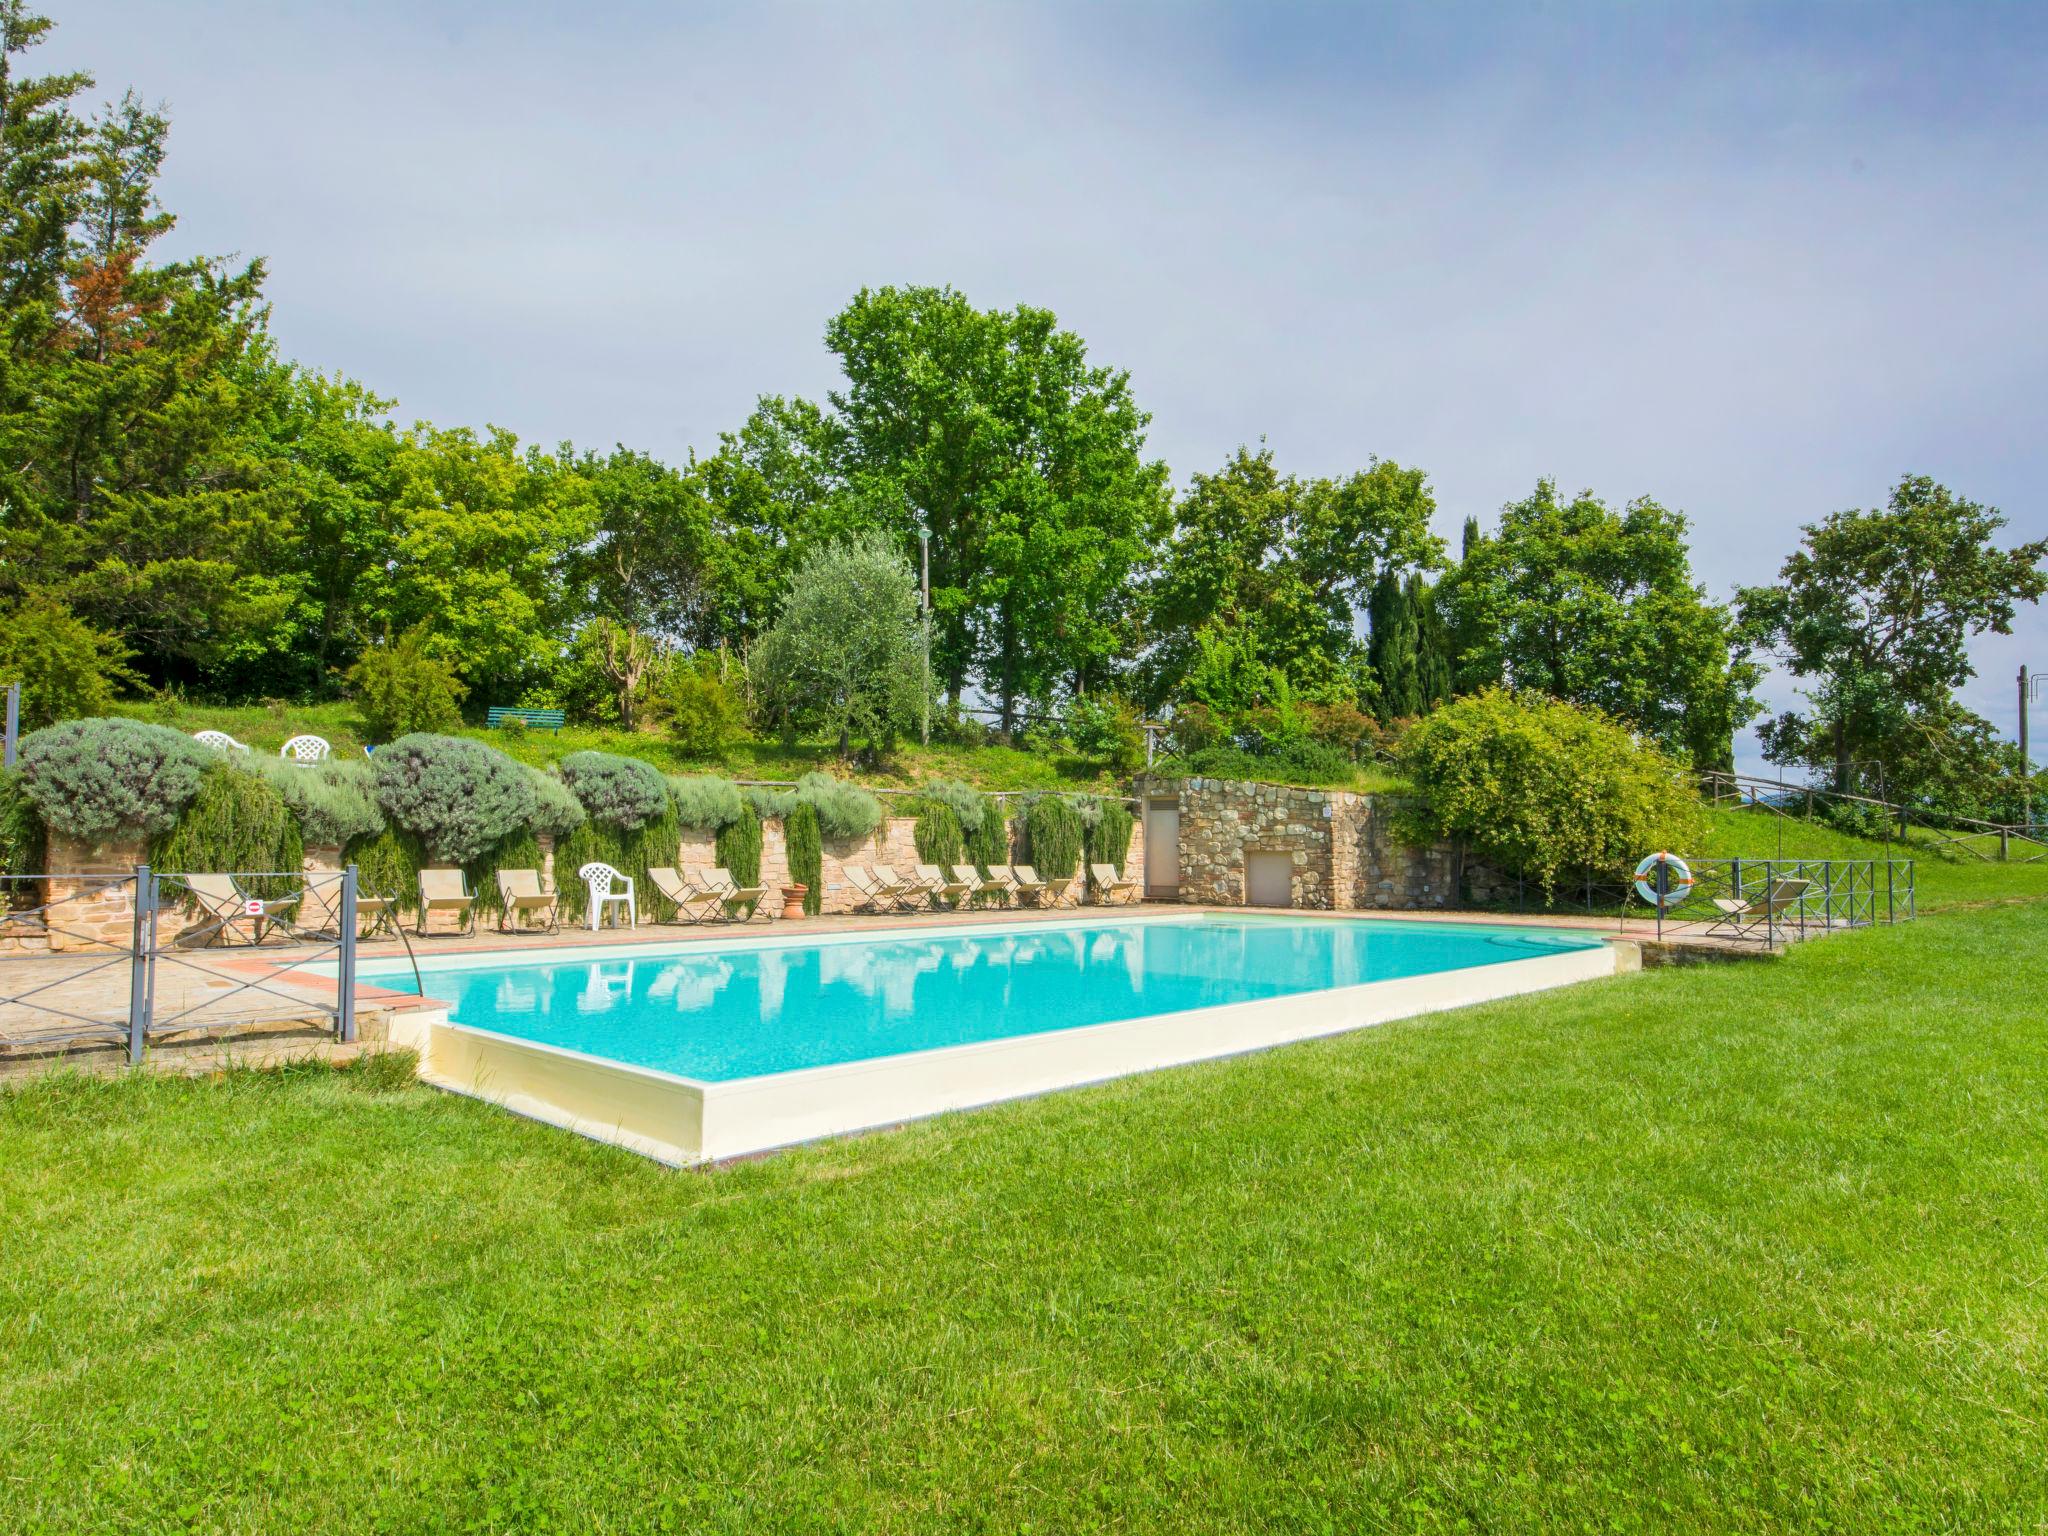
(214, 1007)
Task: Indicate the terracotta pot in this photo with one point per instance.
(793, 900)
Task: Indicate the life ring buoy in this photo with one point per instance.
(1677, 880)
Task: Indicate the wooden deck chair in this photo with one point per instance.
(320, 907)
(693, 903)
(1025, 881)
(1111, 888)
(969, 876)
(944, 888)
(1002, 883)
(519, 891)
(875, 894)
(1742, 917)
(910, 895)
(444, 890)
(729, 892)
(225, 904)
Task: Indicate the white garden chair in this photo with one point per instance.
(220, 741)
(306, 749)
(608, 888)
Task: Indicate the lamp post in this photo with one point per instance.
(924, 550)
(2030, 688)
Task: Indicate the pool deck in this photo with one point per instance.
(250, 1006)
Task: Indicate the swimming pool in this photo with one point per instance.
(709, 1048)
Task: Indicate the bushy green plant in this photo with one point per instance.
(66, 668)
(334, 800)
(706, 803)
(844, 810)
(91, 779)
(989, 843)
(403, 687)
(967, 802)
(389, 864)
(1195, 728)
(1302, 762)
(769, 804)
(21, 831)
(1109, 729)
(236, 823)
(1545, 789)
(1857, 817)
(705, 712)
(460, 796)
(739, 846)
(1053, 836)
(556, 810)
(622, 792)
(937, 834)
(1109, 840)
(806, 855)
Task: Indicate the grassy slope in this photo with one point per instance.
(1737, 1248)
(266, 727)
(1943, 879)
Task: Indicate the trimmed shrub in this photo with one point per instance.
(844, 810)
(556, 811)
(90, 779)
(739, 846)
(806, 855)
(769, 804)
(389, 864)
(237, 823)
(938, 835)
(1543, 788)
(66, 668)
(1109, 840)
(403, 687)
(459, 796)
(967, 802)
(334, 800)
(621, 792)
(1052, 837)
(705, 803)
(21, 834)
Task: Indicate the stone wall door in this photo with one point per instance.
(1162, 847)
(1268, 878)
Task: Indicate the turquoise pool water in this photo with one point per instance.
(747, 1010)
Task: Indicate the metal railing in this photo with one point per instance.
(1768, 900)
(2004, 842)
(56, 987)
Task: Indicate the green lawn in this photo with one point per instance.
(1737, 1248)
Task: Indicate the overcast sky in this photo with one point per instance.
(1757, 263)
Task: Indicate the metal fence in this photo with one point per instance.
(1767, 901)
(127, 959)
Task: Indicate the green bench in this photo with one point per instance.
(498, 715)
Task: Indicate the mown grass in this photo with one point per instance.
(1741, 1248)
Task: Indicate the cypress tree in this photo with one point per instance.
(1391, 648)
(1433, 664)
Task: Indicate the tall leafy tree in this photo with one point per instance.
(1434, 660)
(1395, 649)
(1874, 612)
(1594, 606)
(1288, 563)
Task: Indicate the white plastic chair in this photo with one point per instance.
(608, 887)
(220, 741)
(305, 749)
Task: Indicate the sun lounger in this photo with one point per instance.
(911, 895)
(1111, 888)
(693, 903)
(444, 890)
(520, 891)
(1024, 880)
(1742, 916)
(728, 892)
(945, 889)
(1001, 883)
(875, 895)
(228, 906)
(969, 876)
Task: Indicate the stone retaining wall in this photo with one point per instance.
(1342, 844)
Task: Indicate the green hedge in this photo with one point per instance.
(938, 835)
(94, 779)
(237, 822)
(739, 846)
(1053, 838)
(806, 855)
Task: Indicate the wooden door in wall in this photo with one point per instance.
(1162, 848)
(1268, 878)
